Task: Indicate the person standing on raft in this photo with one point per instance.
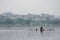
(41, 29)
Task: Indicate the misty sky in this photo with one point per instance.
(30, 6)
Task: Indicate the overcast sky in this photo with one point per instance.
(30, 6)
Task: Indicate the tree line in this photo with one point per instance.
(27, 21)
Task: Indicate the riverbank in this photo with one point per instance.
(18, 25)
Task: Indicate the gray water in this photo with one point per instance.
(29, 33)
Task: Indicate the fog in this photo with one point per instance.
(30, 6)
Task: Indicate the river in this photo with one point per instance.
(29, 33)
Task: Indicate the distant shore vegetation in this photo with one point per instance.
(10, 19)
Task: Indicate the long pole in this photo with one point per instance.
(41, 36)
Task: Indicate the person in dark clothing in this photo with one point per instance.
(36, 29)
(41, 29)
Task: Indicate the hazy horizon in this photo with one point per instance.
(31, 6)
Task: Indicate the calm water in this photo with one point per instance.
(29, 33)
